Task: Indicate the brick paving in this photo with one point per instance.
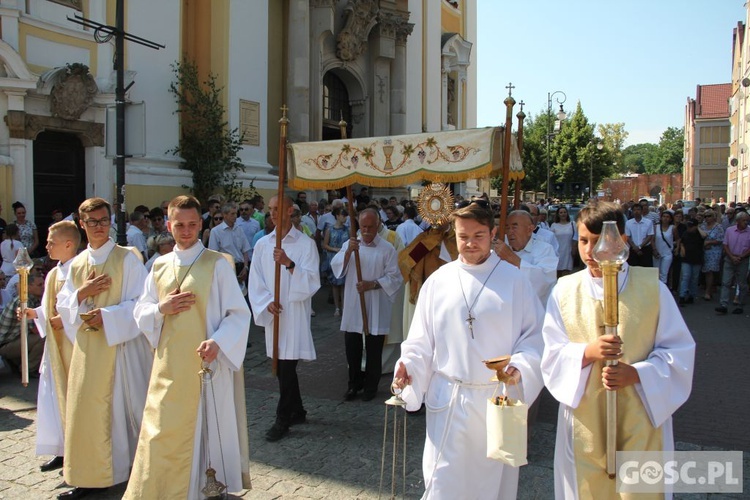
(337, 453)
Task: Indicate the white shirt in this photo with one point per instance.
(137, 239)
(295, 297)
(408, 230)
(379, 262)
(231, 240)
(547, 236)
(539, 265)
(250, 228)
(639, 230)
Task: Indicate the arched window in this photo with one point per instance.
(335, 106)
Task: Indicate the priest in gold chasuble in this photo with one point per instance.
(653, 377)
(193, 313)
(111, 360)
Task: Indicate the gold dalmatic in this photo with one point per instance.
(59, 348)
(639, 315)
(88, 414)
(164, 457)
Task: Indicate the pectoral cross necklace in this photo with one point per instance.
(471, 318)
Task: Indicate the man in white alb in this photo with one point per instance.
(474, 308)
(381, 280)
(193, 315)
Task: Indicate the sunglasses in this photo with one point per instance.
(244, 209)
(218, 218)
(482, 203)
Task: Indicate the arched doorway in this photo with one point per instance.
(335, 106)
(59, 177)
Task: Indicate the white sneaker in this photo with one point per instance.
(337, 313)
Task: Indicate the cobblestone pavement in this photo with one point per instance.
(337, 453)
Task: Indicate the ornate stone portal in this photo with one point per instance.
(362, 15)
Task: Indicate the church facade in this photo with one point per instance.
(388, 67)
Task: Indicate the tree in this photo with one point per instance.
(671, 147)
(613, 137)
(638, 158)
(208, 147)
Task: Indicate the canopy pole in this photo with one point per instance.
(509, 102)
(280, 203)
(519, 141)
(353, 234)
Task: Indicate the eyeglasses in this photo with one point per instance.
(218, 219)
(482, 203)
(104, 222)
(244, 209)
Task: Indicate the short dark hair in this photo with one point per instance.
(93, 204)
(410, 212)
(593, 216)
(474, 211)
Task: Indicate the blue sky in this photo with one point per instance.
(633, 61)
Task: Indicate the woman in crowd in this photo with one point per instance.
(563, 229)
(677, 232)
(692, 261)
(664, 245)
(213, 221)
(297, 223)
(27, 231)
(712, 249)
(9, 248)
(333, 239)
(159, 245)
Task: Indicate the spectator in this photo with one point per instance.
(640, 232)
(159, 245)
(9, 248)
(563, 230)
(692, 261)
(258, 206)
(158, 221)
(250, 227)
(136, 233)
(712, 249)
(26, 229)
(10, 329)
(2, 223)
(301, 202)
(664, 245)
(334, 238)
(408, 230)
(392, 220)
(737, 249)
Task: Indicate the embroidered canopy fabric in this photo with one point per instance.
(451, 156)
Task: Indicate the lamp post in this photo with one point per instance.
(558, 123)
(599, 146)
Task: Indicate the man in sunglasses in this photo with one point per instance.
(111, 361)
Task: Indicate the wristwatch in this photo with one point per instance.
(291, 265)
(376, 286)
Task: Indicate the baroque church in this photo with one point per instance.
(388, 67)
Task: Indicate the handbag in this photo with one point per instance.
(507, 429)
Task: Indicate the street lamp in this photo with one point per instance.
(558, 123)
(599, 146)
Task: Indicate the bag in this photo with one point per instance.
(506, 430)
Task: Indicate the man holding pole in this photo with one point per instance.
(111, 361)
(299, 280)
(652, 379)
(380, 282)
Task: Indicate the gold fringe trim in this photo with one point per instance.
(387, 182)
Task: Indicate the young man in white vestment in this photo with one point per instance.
(381, 282)
(474, 308)
(63, 240)
(111, 361)
(300, 279)
(194, 315)
(652, 379)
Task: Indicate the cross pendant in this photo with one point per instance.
(470, 321)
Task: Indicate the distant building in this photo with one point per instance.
(707, 138)
(738, 172)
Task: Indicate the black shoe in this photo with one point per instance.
(276, 432)
(298, 418)
(79, 493)
(368, 396)
(52, 464)
(350, 395)
(690, 300)
(721, 310)
(737, 310)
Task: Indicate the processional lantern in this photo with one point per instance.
(395, 412)
(23, 265)
(611, 253)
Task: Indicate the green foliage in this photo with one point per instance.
(208, 147)
(639, 158)
(613, 137)
(664, 158)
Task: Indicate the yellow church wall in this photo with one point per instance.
(151, 196)
(26, 30)
(451, 19)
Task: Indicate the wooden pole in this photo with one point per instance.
(509, 102)
(283, 122)
(353, 234)
(517, 184)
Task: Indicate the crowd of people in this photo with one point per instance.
(460, 293)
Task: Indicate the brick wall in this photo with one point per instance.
(634, 188)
